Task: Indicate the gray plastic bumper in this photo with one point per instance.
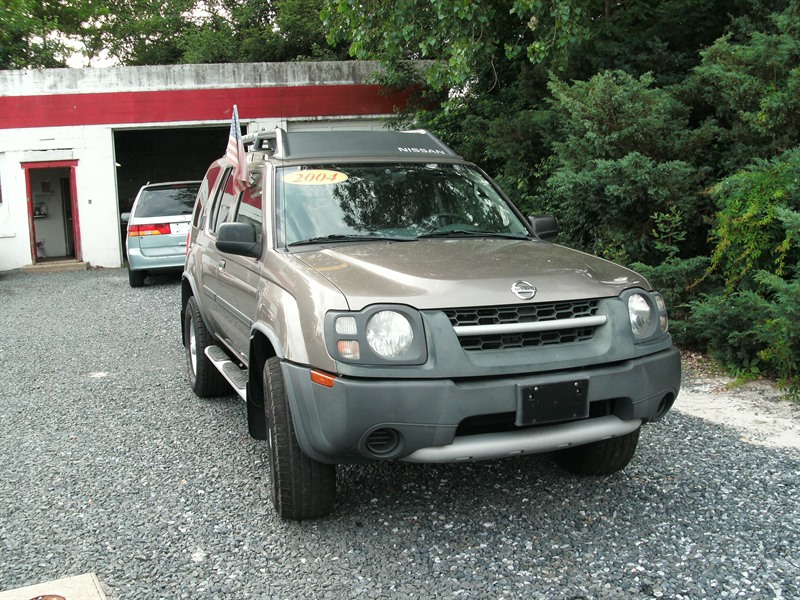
(334, 425)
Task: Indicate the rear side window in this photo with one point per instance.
(167, 201)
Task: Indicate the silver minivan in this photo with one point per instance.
(157, 228)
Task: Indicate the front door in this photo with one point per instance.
(52, 210)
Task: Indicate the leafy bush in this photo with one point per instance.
(751, 233)
(725, 327)
(779, 330)
(749, 81)
(755, 330)
(617, 161)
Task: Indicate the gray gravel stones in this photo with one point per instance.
(110, 464)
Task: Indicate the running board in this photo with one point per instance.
(487, 446)
(230, 371)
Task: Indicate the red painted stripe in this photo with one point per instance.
(61, 110)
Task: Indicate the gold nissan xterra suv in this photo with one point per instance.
(373, 296)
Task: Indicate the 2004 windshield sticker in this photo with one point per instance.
(315, 177)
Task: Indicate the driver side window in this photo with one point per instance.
(223, 203)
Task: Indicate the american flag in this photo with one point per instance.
(235, 154)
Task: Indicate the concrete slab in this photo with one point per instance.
(55, 266)
(80, 587)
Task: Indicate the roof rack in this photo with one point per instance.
(272, 142)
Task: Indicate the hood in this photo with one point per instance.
(455, 273)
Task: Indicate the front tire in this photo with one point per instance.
(302, 488)
(600, 458)
(204, 378)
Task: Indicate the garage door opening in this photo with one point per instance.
(147, 156)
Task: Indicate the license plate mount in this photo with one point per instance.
(553, 402)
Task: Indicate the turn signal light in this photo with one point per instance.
(155, 229)
(323, 379)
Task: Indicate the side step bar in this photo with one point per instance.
(230, 371)
(487, 446)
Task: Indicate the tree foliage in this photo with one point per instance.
(36, 33)
(146, 32)
(754, 231)
(748, 85)
(617, 163)
(467, 42)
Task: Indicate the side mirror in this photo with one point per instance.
(240, 239)
(125, 217)
(545, 227)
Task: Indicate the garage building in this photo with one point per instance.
(77, 144)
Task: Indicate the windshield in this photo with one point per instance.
(396, 201)
(167, 201)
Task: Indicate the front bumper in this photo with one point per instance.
(335, 425)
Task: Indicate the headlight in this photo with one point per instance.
(641, 315)
(381, 334)
(389, 334)
(647, 313)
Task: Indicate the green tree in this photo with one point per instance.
(145, 32)
(618, 163)
(466, 42)
(260, 31)
(662, 37)
(36, 33)
(748, 88)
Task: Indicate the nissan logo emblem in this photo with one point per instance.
(523, 290)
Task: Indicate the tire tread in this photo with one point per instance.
(207, 382)
(303, 488)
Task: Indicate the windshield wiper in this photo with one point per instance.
(473, 233)
(340, 237)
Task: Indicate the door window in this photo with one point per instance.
(223, 203)
(249, 210)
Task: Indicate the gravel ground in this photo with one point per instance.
(112, 466)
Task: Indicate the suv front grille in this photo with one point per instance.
(525, 326)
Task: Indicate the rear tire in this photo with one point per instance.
(204, 378)
(302, 488)
(135, 278)
(600, 458)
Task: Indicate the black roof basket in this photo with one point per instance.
(271, 142)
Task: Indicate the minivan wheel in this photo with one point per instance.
(135, 278)
(600, 458)
(302, 488)
(204, 378)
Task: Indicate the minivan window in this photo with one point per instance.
(174, 199)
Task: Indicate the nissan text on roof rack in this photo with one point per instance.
(372, 296)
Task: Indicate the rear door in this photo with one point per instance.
(211, 258)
